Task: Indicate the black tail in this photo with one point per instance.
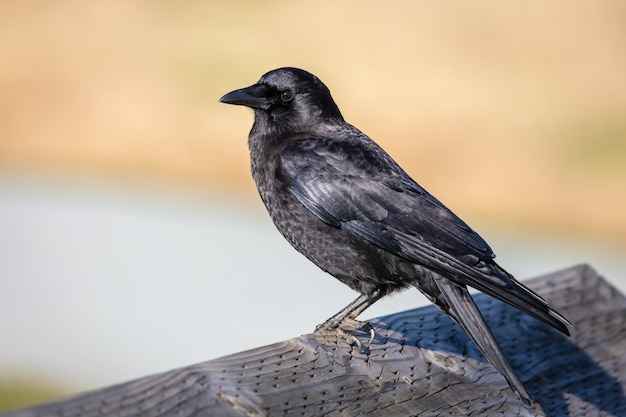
(462, 309)
(485, 276)
(523, 298)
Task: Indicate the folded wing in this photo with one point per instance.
(356, 186)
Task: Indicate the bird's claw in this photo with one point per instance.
(345, 328)
(355, 340)
(368, 327)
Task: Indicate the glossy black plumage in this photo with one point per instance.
(345, 204)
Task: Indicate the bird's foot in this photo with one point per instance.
(344, 328)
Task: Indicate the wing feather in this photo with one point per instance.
(356, 186)
(346, 181)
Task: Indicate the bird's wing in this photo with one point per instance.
(358, 187)
(353, 184)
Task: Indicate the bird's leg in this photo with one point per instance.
(346, 318)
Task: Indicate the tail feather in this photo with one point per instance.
(528, 301)
(485, 276)
(493, 280)
(462, 309)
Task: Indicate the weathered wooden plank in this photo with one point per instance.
(419, 364)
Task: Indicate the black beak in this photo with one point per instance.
(254, 96)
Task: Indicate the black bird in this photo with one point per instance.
(342, 202)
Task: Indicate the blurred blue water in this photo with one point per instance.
(102, 282)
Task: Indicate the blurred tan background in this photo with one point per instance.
(512, 114)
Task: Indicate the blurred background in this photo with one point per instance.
(132, 239)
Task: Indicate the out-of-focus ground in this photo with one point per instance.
(512, 114)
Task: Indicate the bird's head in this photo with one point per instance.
(287, 99)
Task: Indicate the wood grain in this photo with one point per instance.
(420, 363)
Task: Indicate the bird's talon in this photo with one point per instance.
(344, 329)
(355, 340)
(368, 328)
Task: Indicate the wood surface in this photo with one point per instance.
(420, 363)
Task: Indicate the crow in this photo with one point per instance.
(345, 204)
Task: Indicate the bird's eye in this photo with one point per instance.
(286, 96)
